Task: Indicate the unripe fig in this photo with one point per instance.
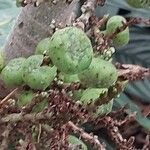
(12, 73)
(42, 46)
(77, 94)
(70, 50)
(122, 38)
(26, 97)
(101, 74)
(91, 95)
(70, 78)
(77, 142)
(37, 76)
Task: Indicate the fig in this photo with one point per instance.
(100, 74)
(70, 78)
(12, 72)
(26, 97)
(70, 50)
(42, 46)
(122, 38)
(77, 142)
(90, 95)
(77, 94)
(37, 76)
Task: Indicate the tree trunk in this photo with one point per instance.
(32, 25)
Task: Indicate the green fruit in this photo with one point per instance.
(76, 142)
(139, 3)
(101, 74)
(37, 76)
(77, 94)
(12, 73)
(26, 98)
(42, 46)
(70, 78)
(122, 38)
(70, 50)
(91, 95)
(104, 109)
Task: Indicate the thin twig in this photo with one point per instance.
(87, 137)
(132, 72)
(7, 97)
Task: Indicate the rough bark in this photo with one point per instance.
(32, 25)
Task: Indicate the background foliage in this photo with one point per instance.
(8, 13)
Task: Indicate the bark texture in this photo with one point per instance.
(32, 25)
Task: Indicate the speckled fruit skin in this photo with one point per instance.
(70, 50)
(42, 47)
(70, 78)
(122, 38)
(91, 95)
(100, 74)
(26, 97)
(37, 76)
(12, 72)
(75, 141)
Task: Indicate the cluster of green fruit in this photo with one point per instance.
(71, 53)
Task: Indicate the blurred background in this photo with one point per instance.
(8, 14)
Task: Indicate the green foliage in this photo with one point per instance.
(12, 73)
(122, 38)
(100, 73)
(70, 50)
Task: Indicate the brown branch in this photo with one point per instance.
(112, 93)
(87, 137)
(87, 11)
(5, 134)
(132, 72)
(3, 101)
(33, 117)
